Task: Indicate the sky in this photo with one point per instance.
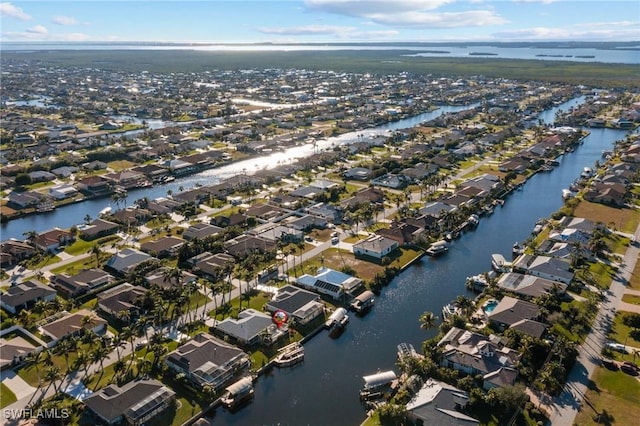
(323, 21)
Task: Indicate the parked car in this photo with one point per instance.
(629, 368)
(609, 364)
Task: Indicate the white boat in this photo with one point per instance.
(290, 355)
(363, 302)
(438, 248)
(338, 318)
(567, 193)
(105, 211)
(477, 282)
(237, 393)
(406, 349)
(449, 310)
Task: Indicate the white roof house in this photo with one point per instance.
(330, 282)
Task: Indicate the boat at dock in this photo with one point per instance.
(499, 263)
(376, 385)
(438, 248)
(238, 393)
(406, 349)
(517, 249)
(449, 311)
(477, 282)
(337, 321)
(363, 302)
(290, 355)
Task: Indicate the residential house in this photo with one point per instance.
(544, 266)
(53, 239)
(371, 195)
(306, 222)
(390, 180)
(120, 299)
(126, 260)
(332, 283)
(135, 403)
(211, 265)
(605, 193)
(325, 211)
(128, 179)
(300, 305)
(511, 310)
(163, 247)
(476, 354)
(131, 216)
(375, 247)
(276, 233)
(529, 286)
(14, 251)
(71, 324)
(95, 186)
(25, 295)
(98, 228)
(88, 280)
(159, 278)
(438, 403)
(60, 192)
(14, 351)
(358, 173)
(244, 244)
(208, 361)
(200, 231)
(251, 328)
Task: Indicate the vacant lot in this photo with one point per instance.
(625, 220)
(613, 398)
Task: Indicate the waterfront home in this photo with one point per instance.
(62, 191)
(529, 286)
(72, 324)
(585, 225)
(612, 194)
(82, 282)
(121, 299)
(95, 186)
(135, 403)
(556, 249)
(152, 171)
(474, 354)
(511, 310)
(300, 305)
(50, 241)
(438, 403)
(409, 229)
(25, 295)
(206, 360)
(251, 328)
(14, 251)
(544, 266)
(14, 351)
(131, 216)
(332, 283)
(22, 200)
(126, 260)
(97, 228)
(437, 209)
(375, 248)
(163, 247)
(572, 236)
(127, 179)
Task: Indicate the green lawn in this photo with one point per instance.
(78, 265)
(634, 281)
(38, 262)
(622, 333)
(81, 246)
(613, 398)
(120, 165)
(602, 273)
(6, 396)
(631, 298)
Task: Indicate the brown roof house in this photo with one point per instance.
(121, 298)
(511, 310)
(208, 361)
(163, 247)
(82, 282)
(70, 324)
(134, 403)
(53, 239)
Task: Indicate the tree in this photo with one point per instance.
(427, 320)
(23, 179)
(87, 219)
(52, 375)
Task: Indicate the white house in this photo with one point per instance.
(330, 282)
(375, 246)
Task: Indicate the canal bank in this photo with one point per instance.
(325, 390)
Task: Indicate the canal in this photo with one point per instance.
(324, 389)
(73, 214)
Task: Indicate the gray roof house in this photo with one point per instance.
(135, 403)
(438, 403)
(251, 328)
(121, 298)
(375, 247)
(82, 282)
(300, 305)
(511, 310)
(473, 353)
(529, 285)
(70, 324)
(333, 283)
(25, 295)
(544, 266)
(124, 261)
(207, 360)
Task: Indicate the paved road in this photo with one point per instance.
(564, 408)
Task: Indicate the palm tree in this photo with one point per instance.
(87, 219)
(95, 250)
(52, 375)
(34, 359)
(427, 320)
(465, 304)
(30, 236)
(172, 275)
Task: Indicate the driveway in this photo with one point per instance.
(18, 386)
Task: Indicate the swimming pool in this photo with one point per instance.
(489, 306)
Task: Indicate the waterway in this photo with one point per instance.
(324, 389)
(73, 214)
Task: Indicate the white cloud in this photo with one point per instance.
(364, 8)
(7, 9)
(341, 32)
(38, 29)
(407, 13)
(64, 20)
(472, 18)
(535, 1)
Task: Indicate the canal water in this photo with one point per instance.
(324, 389)
(73, 214)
